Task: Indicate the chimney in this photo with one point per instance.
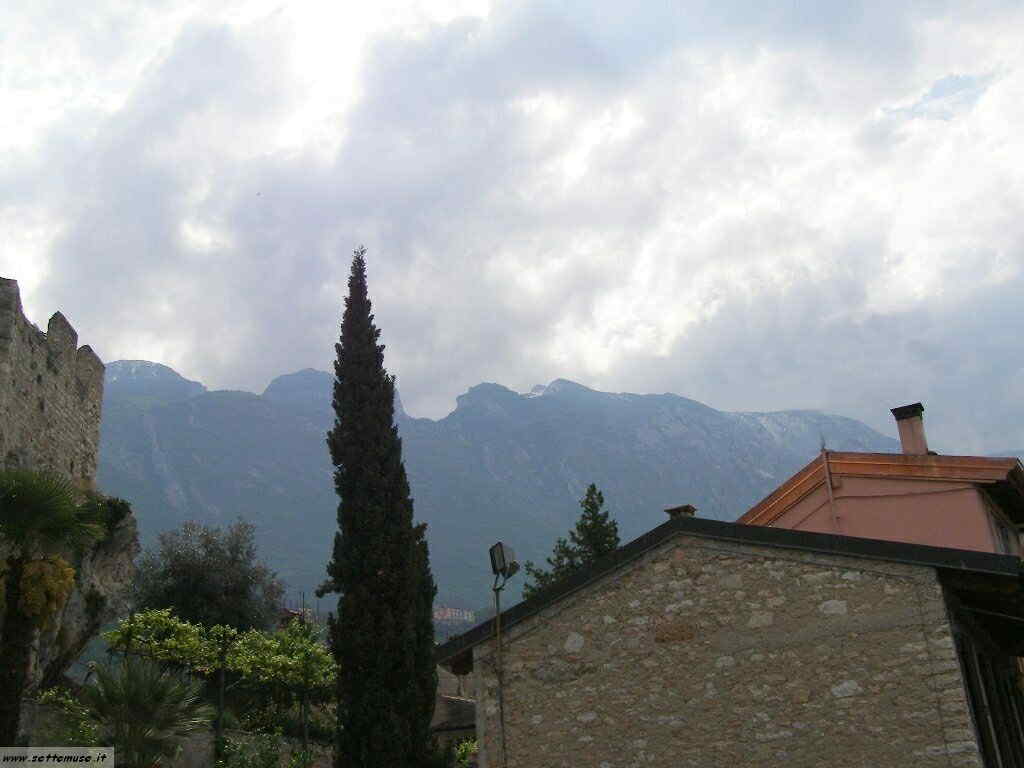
(687, 510)
(911, 427)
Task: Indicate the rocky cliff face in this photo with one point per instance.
(103, 577)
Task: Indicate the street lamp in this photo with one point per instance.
(504, 566)
(503, 562)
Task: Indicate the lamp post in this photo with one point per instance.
(504, 566)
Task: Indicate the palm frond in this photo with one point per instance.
(42, 507)
(144, 710)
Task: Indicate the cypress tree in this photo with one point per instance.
(383, 636)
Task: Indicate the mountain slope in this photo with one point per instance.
(502, 466)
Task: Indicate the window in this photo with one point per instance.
(993, 690)
(1004, 533)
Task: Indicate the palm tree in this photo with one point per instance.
(39, 514)
(145, 710)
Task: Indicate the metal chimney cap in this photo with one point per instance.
(686, 510)
(907, 411)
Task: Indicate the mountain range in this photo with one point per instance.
(502, 465)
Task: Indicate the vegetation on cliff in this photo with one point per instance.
(39, 516)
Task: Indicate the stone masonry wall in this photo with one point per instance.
(50, 394)
(708, 653)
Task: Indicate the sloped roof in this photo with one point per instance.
(457, 652)
(1002, 478)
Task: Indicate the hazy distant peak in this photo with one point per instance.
(119, 370)
(307, 380)
(308, 391)
(310, 388)
(487, 389)
(488, 396)
(564, 387)
(154, 381)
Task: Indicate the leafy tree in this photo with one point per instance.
(290, 662)
(39, 517)
(292, 659)
(144, 710)
(382, 638)
(595, 535)
(210, 576)
(159, 635)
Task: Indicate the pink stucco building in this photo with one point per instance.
(917, 496)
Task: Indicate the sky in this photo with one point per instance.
(761, 206)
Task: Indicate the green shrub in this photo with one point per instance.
(262, 750)
(108, 510)
(64, 721)
(465, 750)
(284, 714)
(144, 711)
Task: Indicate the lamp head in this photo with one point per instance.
(503, 560)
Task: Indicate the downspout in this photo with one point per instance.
(828, 485)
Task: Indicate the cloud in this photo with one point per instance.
(810, 205)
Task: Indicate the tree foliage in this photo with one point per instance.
(596, 534)
(160, 635)
(291, 658)
(290, 664)
(38, 509)
(382, 637)
(210, 576)
(40, 515)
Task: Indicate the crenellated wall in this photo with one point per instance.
(51, 392)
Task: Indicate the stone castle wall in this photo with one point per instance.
(51, 392)
(707, 653)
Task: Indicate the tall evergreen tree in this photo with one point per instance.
(595, 535)
(383, 635)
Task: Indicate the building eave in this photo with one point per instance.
(1003, 478)
(457, 652)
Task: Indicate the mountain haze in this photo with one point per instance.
(501, 466)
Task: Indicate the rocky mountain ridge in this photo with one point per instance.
(501, 466)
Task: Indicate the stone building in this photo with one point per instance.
(705, 643)
(51, 392)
